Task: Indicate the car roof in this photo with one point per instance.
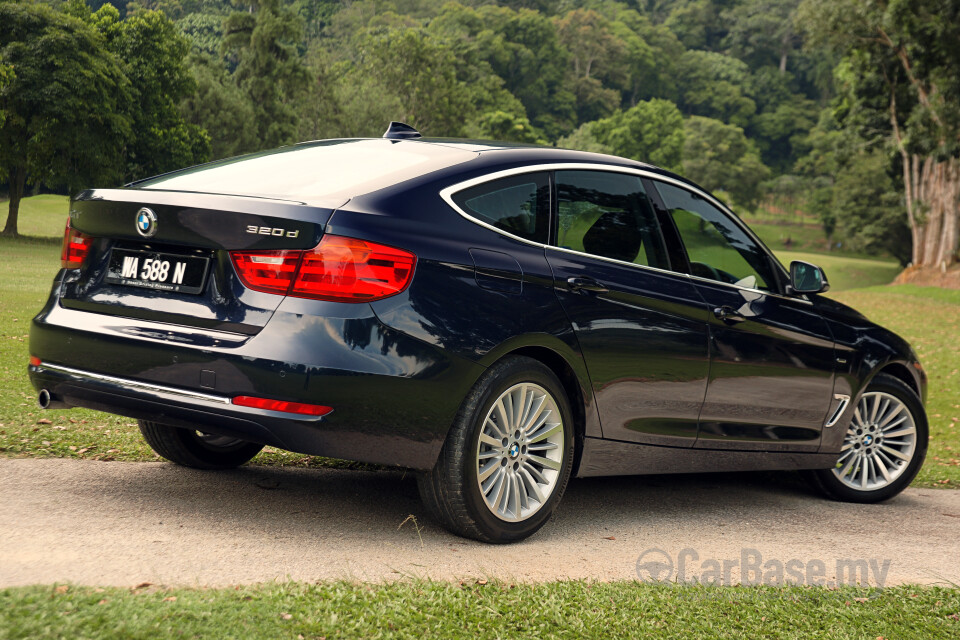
(330, 170)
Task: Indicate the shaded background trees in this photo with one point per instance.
(781, 106)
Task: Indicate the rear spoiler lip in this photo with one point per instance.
(223, 201)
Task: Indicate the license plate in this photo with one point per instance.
(154, 270)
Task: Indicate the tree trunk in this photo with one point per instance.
(18, 181)
(933, 204)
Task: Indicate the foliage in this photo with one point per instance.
(65, 107)
(900, 82)
(580, 73)
(269, 71)
(720, 157)
(221, 109)
(651, 131)
(153, 51)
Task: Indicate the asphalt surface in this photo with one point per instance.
(113, 523)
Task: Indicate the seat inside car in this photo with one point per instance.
(614, 235)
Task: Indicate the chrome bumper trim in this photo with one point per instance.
(134, 384)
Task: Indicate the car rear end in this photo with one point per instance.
(235, 314)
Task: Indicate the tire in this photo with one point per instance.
(196, 449)
(890, 431)
(461, 492)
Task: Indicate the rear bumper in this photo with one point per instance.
(394, 397)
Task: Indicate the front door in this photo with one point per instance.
(772, 356)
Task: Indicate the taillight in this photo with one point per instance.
(269, 271)
(351, 270)
(339, 269)
(76, 246)
(282, 405)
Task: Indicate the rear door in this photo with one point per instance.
(641, 328)
(772, 356)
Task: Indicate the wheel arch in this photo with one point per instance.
(901, 372)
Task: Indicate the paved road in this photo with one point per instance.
(112, 523)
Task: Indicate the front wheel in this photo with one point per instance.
(197, 449)
(507, 459)
(884, 446)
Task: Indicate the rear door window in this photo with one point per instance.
(518, 205)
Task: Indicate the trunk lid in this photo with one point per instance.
(164, 255)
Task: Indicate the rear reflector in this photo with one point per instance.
(34, 361)
(339, 269)
(76, 246)
(281, 405)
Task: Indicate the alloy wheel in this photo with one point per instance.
(521, 452)
(879, 444)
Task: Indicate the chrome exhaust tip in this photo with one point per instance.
(46, 400)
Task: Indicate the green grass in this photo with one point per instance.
(844, 272)
(473, 610)
(40, 216)
(800, 237)
(927, 317)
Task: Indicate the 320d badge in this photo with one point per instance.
(495, 318)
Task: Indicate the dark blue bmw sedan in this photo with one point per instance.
(496, 318)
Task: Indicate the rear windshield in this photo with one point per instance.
(315, 171)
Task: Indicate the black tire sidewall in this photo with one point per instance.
(832, 485)
(496, 529)
(184, 447)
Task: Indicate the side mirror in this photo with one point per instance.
(806, 278)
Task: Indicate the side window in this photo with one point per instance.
(717, 247)
(609, 215)
(519, 205)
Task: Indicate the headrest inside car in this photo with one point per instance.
(614, 235)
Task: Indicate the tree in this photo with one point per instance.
(520, 47)
(712, 85)
(221, 109)
(419, 72)
(66, 121)
(270, 70)
(762, 31)
(900, 81)
(597, 59)
(720, 157)
(651, 131)
(154, 54)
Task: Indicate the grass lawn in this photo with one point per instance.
(929, 318)
(844, 272)
(473, 610)
(40, 216)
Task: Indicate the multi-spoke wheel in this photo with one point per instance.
(507, 457)
(197, 449)
(884, 445)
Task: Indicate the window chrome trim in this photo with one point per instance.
(447, 194)
(134, 384)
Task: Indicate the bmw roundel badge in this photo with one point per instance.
(146, 223)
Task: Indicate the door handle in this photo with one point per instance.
(728, 315)
(586, 284)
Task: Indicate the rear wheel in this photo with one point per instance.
(884, 447)
(507, 459)
(197, 449)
